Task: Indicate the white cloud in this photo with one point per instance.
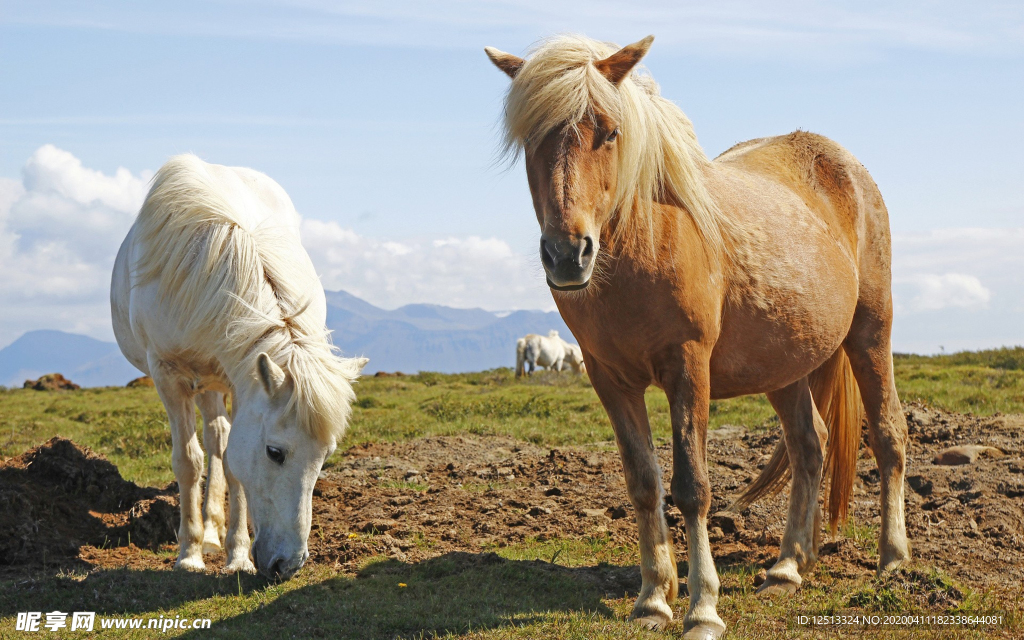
(458, 272)
(959, 288)
(948, 290)
(61, 225)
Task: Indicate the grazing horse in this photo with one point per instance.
(213, 294)
(766, 270)
(547, 351)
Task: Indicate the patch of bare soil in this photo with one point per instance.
(59, 497)
(435, 496)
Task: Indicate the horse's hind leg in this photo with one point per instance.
(868, 348)
(215, 440)
(186, 460)
(806, 436)
(628, 414)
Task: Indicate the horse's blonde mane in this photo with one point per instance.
(219, 270)
(660, 159)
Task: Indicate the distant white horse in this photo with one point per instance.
(212, 293)
(547, 351)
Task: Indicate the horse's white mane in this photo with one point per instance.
(660, 159)
(553, 333)
(219, 268)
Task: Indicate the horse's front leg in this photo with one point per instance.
(186, 460)
(689, 394)
(238, 528)
(216, 429)
(628, 414)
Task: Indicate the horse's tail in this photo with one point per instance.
(838, 400)
(520, 356)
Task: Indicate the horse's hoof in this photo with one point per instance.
(190, 564)
(240, 566)
(892, 561)
(777, 586)
(211, 548)
(654, 621)
(704, 631)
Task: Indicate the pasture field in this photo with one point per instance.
(478, 506)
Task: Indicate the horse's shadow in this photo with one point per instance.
(453, 593)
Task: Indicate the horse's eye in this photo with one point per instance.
(275, 454)
(611, 136)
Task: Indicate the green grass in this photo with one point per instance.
(129, 425)
(533, 589)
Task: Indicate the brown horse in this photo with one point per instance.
(764, 271)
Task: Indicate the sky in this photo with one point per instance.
(381, 121)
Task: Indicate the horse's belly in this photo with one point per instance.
(767, 343)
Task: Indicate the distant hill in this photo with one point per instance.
(427, 337)
(416, 337)
(84, 360)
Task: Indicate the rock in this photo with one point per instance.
(919, 417)
(51, 382)
(138, 383)
(761, 576)
(965, 454)
(920, 485)
(727, 521)
(378, 525)
(599, 516)
(727, 432)
(540, 511)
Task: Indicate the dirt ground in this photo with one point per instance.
(62, 505)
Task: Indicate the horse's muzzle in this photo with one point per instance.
(277, 566)
(568, 261)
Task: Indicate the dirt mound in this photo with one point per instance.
(59, 497)
(144, 381)
(51, 382)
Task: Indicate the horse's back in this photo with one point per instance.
(827, 178)
(207, 232)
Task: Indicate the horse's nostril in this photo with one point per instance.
(547, 254)
(275, 569)
(588, 247)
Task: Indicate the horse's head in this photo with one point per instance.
(276, 456)
(573, 148)
(574, 355)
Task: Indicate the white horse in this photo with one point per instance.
(212, 294)
(547, 351)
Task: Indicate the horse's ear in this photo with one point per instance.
(618, 65)
(271, 376)
(507, 62)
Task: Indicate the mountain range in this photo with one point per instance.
(416, 337)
